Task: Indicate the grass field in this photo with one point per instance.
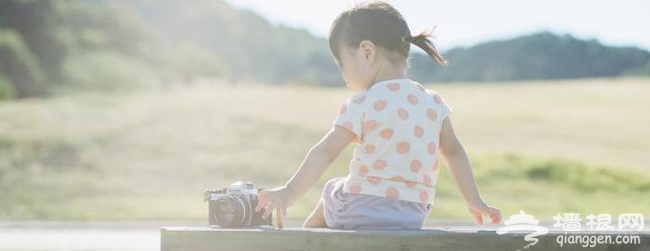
(541, 147)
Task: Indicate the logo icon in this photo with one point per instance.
(523, 222)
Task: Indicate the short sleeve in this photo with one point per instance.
(445, 108)
(350, 117)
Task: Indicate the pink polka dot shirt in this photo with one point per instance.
(397, 124)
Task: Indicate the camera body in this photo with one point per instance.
(234, 206)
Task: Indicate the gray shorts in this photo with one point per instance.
(361, 211)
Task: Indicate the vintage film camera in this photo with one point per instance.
(234, 206)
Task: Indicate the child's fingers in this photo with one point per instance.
(479, 219)
(284, 210)
(260, 205)
(492, 213)
(495, 219)
(496, 216)
(268, 210)
(278, 219)
(262, 199)
(263, 209)
(270, 201)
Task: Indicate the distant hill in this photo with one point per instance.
(279, 54)
(542, 55)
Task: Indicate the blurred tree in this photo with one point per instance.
(22, 74)
(36, 22)
(538, 56)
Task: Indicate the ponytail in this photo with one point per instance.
(422, 40)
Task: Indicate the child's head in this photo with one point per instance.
(372, 37)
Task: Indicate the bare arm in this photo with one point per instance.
(312, 168)
(458, 164)
(319, 158)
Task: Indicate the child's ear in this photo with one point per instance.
(369, 51)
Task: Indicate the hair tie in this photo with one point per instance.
(406, 39)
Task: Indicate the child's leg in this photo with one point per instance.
(317, 218)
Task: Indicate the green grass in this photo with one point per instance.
(151, 155)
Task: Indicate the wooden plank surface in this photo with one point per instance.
(186, 238)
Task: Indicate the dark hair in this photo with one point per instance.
(383, 25)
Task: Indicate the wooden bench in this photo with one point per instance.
(197, 239)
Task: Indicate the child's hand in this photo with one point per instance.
(480, 208)
(275, 199)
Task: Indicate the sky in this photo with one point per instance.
(465, 23)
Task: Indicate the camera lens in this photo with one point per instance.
(230, 211)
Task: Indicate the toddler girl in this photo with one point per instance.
(400, 129)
